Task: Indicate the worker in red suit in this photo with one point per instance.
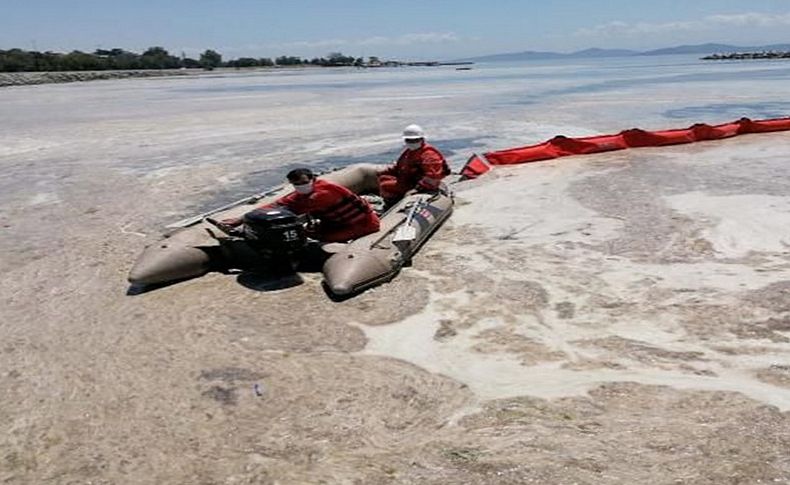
(338, 214)
(420, 167)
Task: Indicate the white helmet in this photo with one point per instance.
(413, 132)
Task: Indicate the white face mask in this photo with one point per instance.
(413, 145)
(304, 188)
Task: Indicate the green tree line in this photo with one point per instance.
(18, 60)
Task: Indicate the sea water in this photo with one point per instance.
(210, 139)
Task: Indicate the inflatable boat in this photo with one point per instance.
(198, 245)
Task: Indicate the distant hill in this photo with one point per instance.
(714, 48)
(537, 55)
(702, 49)
(776, 47)
(693, 49)
(514, 56)
(595, 52)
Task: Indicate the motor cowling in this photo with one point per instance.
(276, 235)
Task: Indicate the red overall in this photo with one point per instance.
(343, 214)
(420, 169)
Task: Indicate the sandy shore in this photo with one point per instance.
(615, 318)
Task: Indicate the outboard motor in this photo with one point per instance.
(276, 236)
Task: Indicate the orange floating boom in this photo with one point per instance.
(562, 146)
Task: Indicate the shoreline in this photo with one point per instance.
(32, 78)
(59, 77)
(28, 78)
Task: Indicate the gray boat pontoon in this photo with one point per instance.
(198, 245)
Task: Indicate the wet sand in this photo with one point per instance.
(616, 318)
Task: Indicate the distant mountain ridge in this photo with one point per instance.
(714, 48)
(703, 49)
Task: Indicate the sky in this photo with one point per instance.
(403, 29)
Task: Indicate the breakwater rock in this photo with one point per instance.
(748, 55)
(29, 78)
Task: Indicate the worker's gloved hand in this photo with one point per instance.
(428, 185)
(225, 227)
(232, 221)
